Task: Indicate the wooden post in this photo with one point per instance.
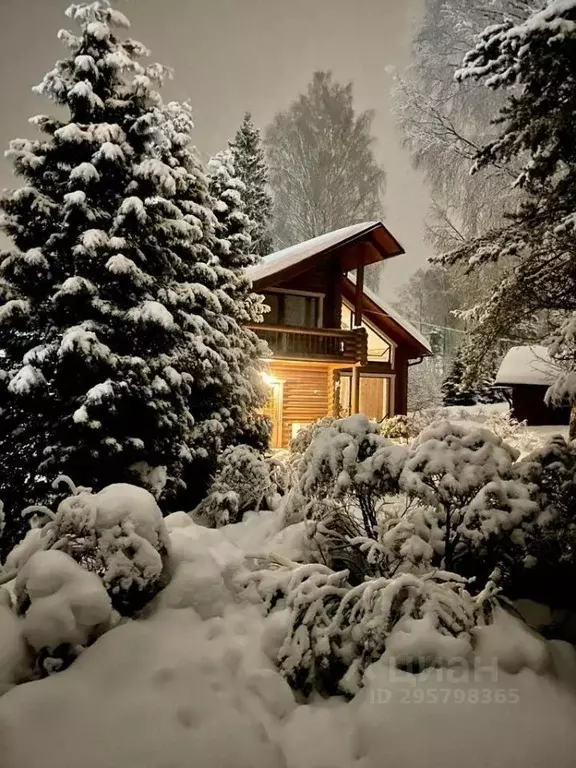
(356, 389)
(359, 295)
(359, 306)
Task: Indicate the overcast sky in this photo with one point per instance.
(235, 55)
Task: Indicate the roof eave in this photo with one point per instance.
(379, 244)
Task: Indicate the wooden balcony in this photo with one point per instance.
(326, 344)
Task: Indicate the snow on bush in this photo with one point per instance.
(537, 558)
(449, 464)
(245, 480)
(347, 464)
(118, 533)
(300, 443)
(337, 631)
(376, 508)
(64, 607)
(400, 427)
(13, 652)
(343, 479)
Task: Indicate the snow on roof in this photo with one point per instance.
(288, 257)
(396, 316)
(527, 365)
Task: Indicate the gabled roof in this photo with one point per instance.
(297, 256)
(379, 312)
(527, 365)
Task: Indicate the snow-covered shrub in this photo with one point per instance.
(337, 631)
(118, 533)
(349, 466)
(14, 658)
(401, 427)
(406, 427)
(545, 564)
(512, 431)
(449, 464)
(64, 606)
(344, 477)
(301, 441)
(245, 480)
(275, 580)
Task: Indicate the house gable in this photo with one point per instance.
(379, 314)
(347, 248)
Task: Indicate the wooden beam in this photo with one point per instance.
(355, 389)
(359, 304)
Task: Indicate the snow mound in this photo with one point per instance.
(68, 605)
(13, 657)
(162, 693)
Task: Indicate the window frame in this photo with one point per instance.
(288, 292)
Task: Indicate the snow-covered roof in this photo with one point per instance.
(387, 309)
(527, 365)
(288, 257)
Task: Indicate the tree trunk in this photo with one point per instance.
(572, 427)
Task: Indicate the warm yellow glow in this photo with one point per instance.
(270, 380)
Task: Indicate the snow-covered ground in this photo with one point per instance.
(194, 683)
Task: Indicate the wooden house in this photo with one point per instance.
(528, 372)
(336, 348)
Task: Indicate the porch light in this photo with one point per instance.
(269, 380)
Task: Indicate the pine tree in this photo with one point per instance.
(228, 192)
(252, 169)
(124, 357)
(453, 392)
(233, 245)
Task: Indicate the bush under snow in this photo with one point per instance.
(117, 533)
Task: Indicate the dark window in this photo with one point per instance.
(272, 317)
(293, 309)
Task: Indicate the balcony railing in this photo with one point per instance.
(330, 345)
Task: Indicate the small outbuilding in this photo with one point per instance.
(528, 371)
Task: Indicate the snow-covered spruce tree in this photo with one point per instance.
(531, 62)
(252, 169)
(123, 353)
(453, 392)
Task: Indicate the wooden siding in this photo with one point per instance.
(307, 393)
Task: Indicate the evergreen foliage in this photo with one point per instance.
(452, 390)
(124, 356)
(530, 62)
(252, 169)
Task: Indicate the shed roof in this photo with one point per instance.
(527, 365)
